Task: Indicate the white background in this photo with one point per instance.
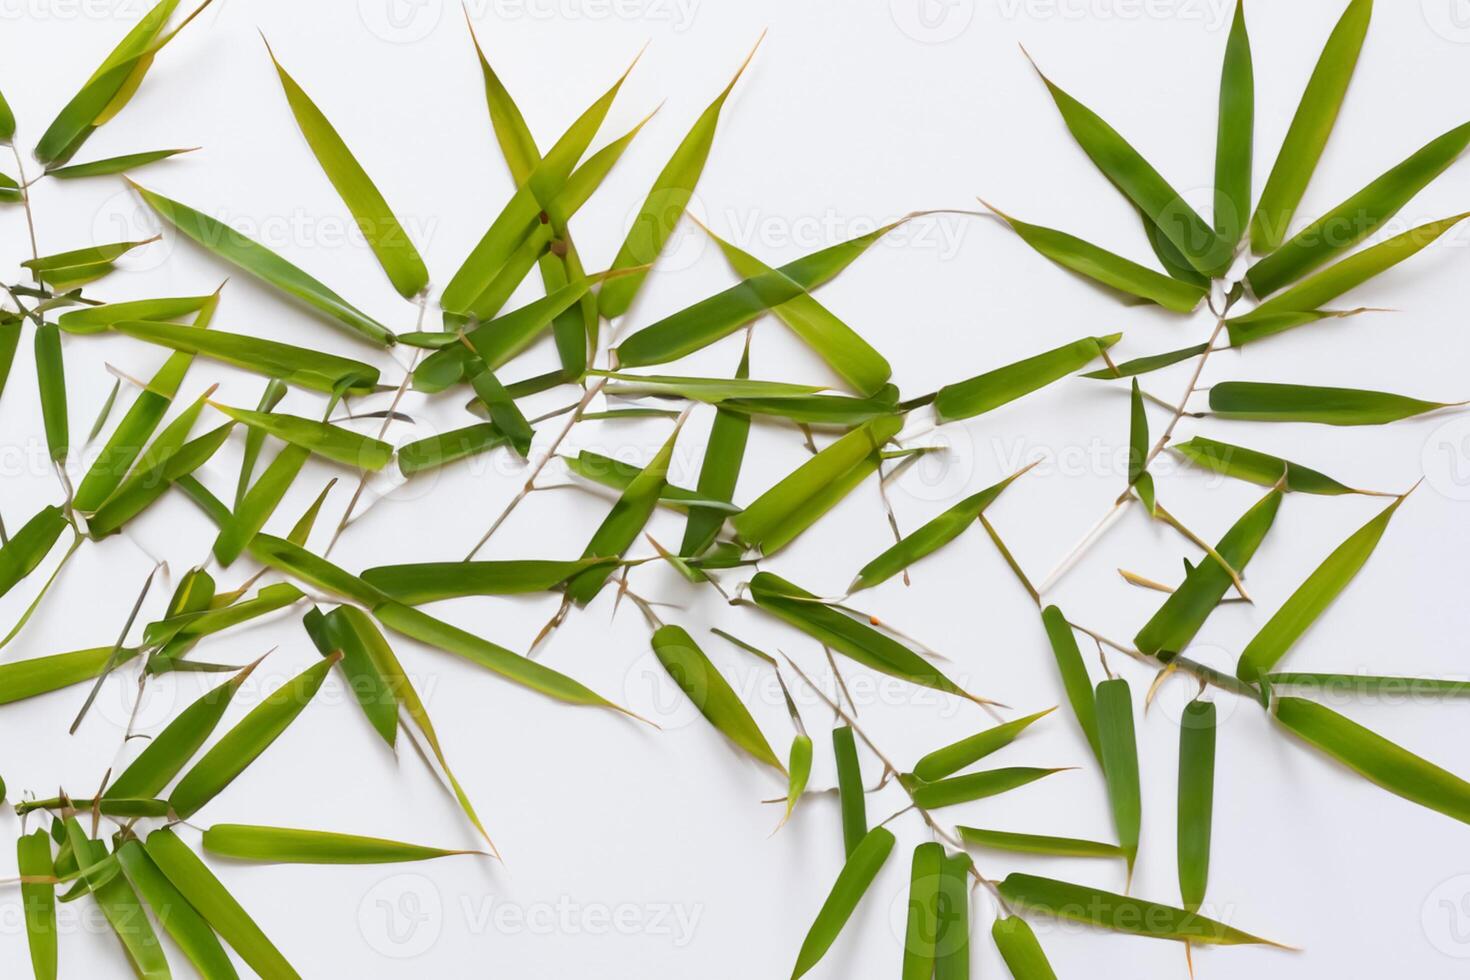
(638, 854)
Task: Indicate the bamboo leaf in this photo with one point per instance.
(1019, 948)
(173, 911)
(168, 753)
(52, 268)
(321, 438)
(42, 675)
(850, 789)
(282, 845)
(719, 471)
(259, 503)
(1119, 913)
(385, 236)
(1074, 675)
(29, 546)
(952, 943)
(1235, 136)
(922, 928)
(1359, 216)
(51, 380)
(114, 165)
(665, 204)
(120, 906)
(980, 394)
(95, 319)
(433, 452)
(1368, 684)
(609, 472)
(848, 354)
(952, 758)
(204, 892)
(1173, 627)
(1100, 265)
(712, 390)
(1311, 599)
(1375, 758)
(1196, 800)
(799, 767)
(1137, 180)
(798, 500)
(244, 743)
(1310, 128)
(1001, 840)
(976, 786)
(1257, 467)
(266, 265)
(845, 634)
(1323, 287)
(622, 525)
(348, 631)
(309, 368)
(929, 538)
(422, 582)
(1143, 365)
(38, 898)
(1120, 762)
(158, 469)
(696, 327)
(852, 882)
(9, 342)
(504, 413)
(692, 671)
(1268, 402)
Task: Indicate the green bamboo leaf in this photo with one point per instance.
(173, 911)
(275, 390)
(1376, 758)
(51, 380)
(1257, 467)
(1269, 402)
(385, 236)
(1368, 684)
(10, 190)
(546, 183)
(1120, 762)
(1310, 128)
(220, 614)
(301, 530)
(266, 265)
(1273, 323)
(54, 267)
(9, 342)
(435, 451)
(520, 670)
(114, 165)
(421, 582)
(696, 327)
(155, 474)
(1119, 913)
(929, 538)
(1100, 265)
(309, 368)
(321, 438)
(1325, 286)
(244, 743)
(852, 882)
(1311, 599)
(846, 634)
(120, 906)
(622, 525)
(29, 546)
(1173, 627)
(799, 499)
(1019, 948)
(7, 121)
(952, 943)
(712, 390)
(38, 898)
(692, 671)
(1143, 365)
(848, 354)
(922, 928)
(504, 413)
(259, 503)
(980, 394)
(1359, 216)
(1001, 840)
(850, 789)
(1074, 675)
(1137, 180)
(283, 845)
(95, 319)
(168, 753)
(349, 632)
(1235, 136)
(719, 471)
(1138, 443)
(500, 339)
(820, 410)
(1196, 799)
(665, 204)
(799, 765)
(42, 675)
(204, 892)
(952, 758)
(976, 786)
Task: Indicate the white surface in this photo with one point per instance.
(638, 854)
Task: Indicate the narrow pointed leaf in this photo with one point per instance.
(169, 751)
(173, 911)
(1075, 680)
(712, 390)
(419, 583)
(160, 466)
(799, 768)
(850, 790)
(719, 471)
(1257, 467)
(283, 845)
(1310, 128)
(51, 380)
(260, 503)
(435, 451)
(1268, 402)
(113, 165)
(1001, 840)
(120, 906)
(852, 882)
(952, 758)
(275, 390)
(976, 786)
(29, 546)
(1120, 761)
(41, 675)
(980, 394)
(1235, 135)
(707, 688)
(1196, 799)
(1143, 365)
(609, 472)
(321, 438)
(95, 319)
(504, 413)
